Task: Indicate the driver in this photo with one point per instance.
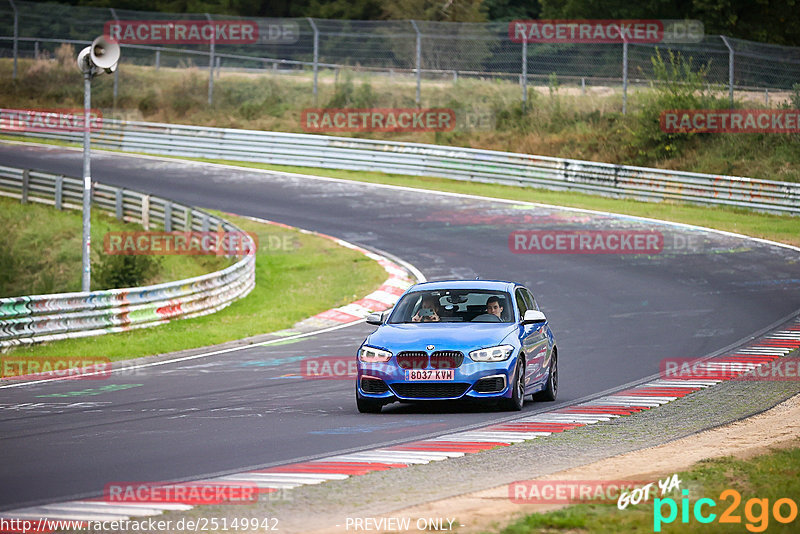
(429, 311)
(493, 307)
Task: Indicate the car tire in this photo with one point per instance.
(550, 391)
(368, 405)
(515, 403)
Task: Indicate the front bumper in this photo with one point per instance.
(476, 380)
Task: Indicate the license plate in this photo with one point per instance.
(439, 375)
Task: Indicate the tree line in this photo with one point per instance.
(768, 21)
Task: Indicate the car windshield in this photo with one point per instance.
(453, 306)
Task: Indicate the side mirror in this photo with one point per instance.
(533, 316)
(375, 318)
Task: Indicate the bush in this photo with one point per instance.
(794, 98)
(676, 85)
(65, 54)
(7, 267)
(116, 271)
(149, 103)
(347, 96)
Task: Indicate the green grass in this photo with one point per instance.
(40, 250)
(771, 476)
(313, 275)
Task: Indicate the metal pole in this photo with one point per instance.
(158, 59)
(524, 77)
(210, 66)
(87, 184)
(116, 71)
(16, 37)
(419, 60)
(730, 68)
(624, 77)
(316, 56)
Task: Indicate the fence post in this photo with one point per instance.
(211, 65)
(146, 212)
(730, 69)
(36, 50)
(16, 36)
(219, 66)
(158, 59)
(624, 76)
(119, 212)
(316, 56)
(419, 60)
(116, 71)
(168, 216)
(26, 177)
(59, 191)
(523, 79)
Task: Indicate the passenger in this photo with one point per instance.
(493, 307)
(429, 311)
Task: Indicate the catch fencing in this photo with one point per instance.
(434, 51)
(39, 318)
(307, 150)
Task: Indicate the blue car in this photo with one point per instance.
(458, 339)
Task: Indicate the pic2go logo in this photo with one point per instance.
(756, 511)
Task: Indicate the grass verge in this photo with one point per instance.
(766, 479)
(293, 282)
(560, 120)
(40, 251)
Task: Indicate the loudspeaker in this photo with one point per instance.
(104, 53)
(101, 54)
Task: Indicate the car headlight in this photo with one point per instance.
(492, 354)
(369, 354)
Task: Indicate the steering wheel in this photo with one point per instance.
(486, 318)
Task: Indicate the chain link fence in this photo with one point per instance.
(417, 50)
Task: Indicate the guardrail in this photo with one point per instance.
(33, 319)
(447, 162)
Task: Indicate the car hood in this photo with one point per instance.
(444, 336)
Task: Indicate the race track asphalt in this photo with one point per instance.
(615, 317)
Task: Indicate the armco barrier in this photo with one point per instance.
(447, 162)
(33, 319)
